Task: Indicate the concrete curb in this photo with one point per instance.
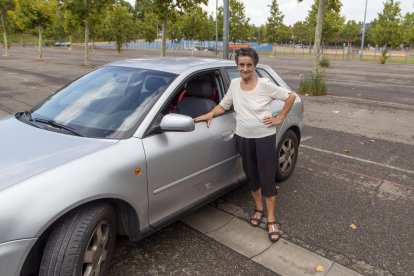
(282, 257)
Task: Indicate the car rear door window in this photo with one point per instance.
(264, 74)
(234, 73)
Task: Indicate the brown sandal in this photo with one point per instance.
(255, 221)
(274, 233)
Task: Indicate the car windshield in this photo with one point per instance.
(109, 102)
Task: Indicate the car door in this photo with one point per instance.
(185, 168)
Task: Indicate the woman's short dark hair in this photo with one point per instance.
(247, 52)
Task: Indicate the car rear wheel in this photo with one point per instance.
(82, 243)
(287, 153)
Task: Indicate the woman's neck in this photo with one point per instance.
(250, 80)
(248, 84)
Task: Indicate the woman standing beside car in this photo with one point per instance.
(255, 132)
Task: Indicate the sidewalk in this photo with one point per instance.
(282, 257)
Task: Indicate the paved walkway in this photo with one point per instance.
(282, 257)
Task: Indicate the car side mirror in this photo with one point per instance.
(176, 122)
(276, 107)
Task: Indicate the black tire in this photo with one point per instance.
(81, 243)
(287, 154)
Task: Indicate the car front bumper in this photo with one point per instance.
(13, 254)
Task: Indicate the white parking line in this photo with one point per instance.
(358, 159)
(373, 101)
(306, 138)
(27, 80)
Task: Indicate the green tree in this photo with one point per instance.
(96, 25)
(209, 32)
(5, 7)
(332, 21)
(196, 25)
(148, 28)
(192, 23)
(142, 8)
(239, 29)
(118, 26)
(315, 84)
(220, 23)
(302, 33)
(175, 31)
(56, 30)
(258, 33)
(35, 15)
(126, 4)
(85, 10)
(275, 29)
(318, 9)
(147, 20)
(166, 10)
(408, 27)
(387, 28)
(350, 32)
(71, 25)
(191, 26)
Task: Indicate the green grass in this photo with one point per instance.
(324, 62)
(30, 39)
(339, 56)
(25, 38)
(313, 85)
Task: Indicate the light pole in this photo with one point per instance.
(363, 30)
(216, 27)
(225, 29)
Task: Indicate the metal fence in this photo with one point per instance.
(209, 45)
(349, 53)
(396, 55)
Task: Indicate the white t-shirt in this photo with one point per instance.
(252, 106)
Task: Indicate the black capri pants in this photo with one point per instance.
(259, 163)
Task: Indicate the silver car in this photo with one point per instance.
(116, 152)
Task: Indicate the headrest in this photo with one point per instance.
(199, 88)
(153, 83)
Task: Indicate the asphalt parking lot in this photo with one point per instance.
(350, 199)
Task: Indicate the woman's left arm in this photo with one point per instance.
(272, 121)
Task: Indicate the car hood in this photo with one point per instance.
(26, 150)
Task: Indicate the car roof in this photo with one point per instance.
(174, 65)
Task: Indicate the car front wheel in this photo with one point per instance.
(81, 243)
(287, 153)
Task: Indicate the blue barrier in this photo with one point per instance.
(188, 45)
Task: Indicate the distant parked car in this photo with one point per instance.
(298, 45)
(204, 48)
(58, 43)
(117, 152)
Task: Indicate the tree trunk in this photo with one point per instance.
(40, 43)
(192, 49)
(70, 41)
(318, 36)
(347, 51)
(86, 43)
(164, 37)
(6, 45)
(118, 44)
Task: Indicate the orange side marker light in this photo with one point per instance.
(137, 171)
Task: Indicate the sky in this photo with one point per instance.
(258, 10)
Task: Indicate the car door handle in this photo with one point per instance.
(227, 135)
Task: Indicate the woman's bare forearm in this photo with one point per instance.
(288, 105)
(217, 110)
